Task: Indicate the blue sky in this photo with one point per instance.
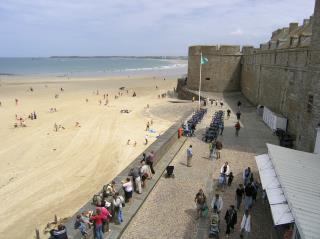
(139, 27)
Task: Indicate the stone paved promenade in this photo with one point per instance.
(169, 211)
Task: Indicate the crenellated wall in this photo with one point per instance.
(283, 74)
(279, 76)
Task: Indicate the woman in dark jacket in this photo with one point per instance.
(231, 219)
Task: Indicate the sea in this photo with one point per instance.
(88, 66)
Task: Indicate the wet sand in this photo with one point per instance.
(43, 172)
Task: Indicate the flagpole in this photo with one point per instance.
(200, 80)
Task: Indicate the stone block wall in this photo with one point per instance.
(284, 75)
(221, 73)
(277, 79)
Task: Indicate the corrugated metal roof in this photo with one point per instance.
(299, 176)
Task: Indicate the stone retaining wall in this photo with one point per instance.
(160, 147)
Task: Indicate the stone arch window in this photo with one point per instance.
(207, 78)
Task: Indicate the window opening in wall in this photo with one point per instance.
(310, 103)
(207, 78)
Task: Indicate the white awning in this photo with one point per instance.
(267, 174)
(281, 213)
(276, 196)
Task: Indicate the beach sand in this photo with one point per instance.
(43, 172)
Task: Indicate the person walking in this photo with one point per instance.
(105, 222)
(98, 223)
(225, 170)
(128, 189)
(230, 178)
(228, 113)
(248, 194)
(150, 161)
(221, 127)
(189, 156)
(237, 126)
(231, 219)
(135, 174)
(218, 148)
(239, 104)
(145, 173)
(212, 149)
(246, 175)
(217, 202)
(146, 139)
(239, 195)
(117, 204)
(238, 115)
(245, 226)
(201, 202)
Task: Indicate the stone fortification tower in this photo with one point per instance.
(221, 73)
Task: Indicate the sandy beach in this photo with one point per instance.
(45, 172)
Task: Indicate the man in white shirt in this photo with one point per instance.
(189, 156)
(225, 169)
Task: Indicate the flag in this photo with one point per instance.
(203, 60)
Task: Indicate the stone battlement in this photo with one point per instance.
(214, 50)
(291, 36)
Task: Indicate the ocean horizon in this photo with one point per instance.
(96, 65)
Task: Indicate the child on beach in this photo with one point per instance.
(146, 139)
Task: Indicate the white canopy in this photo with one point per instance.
(281, 213)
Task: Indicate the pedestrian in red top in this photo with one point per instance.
(105, 222)
(237, 126)
(98, 223)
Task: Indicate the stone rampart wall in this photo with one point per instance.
(160, 148)
(277, 79)
(225, 60)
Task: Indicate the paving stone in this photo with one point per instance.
(169, 211)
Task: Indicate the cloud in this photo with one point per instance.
(237, 32)
(139, 27)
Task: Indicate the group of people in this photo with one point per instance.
(32, 116)
(226, 177)
(110, 202)
(214, 149)
(57, 127)
(20, 121)
(247, 192)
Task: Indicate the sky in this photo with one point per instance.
(139, 27)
